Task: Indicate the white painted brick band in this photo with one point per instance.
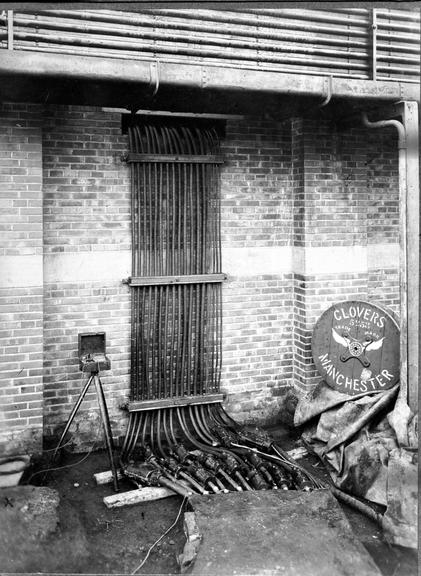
(107, 265)
(256, 261)
(21, 271)
(114, 265)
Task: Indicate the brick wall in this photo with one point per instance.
(257, 298)
(345, 226)
(21, 304)
(86, 256)
(309, 217)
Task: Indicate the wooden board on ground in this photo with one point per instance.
(137, 496)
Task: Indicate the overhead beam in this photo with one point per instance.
(215, 78)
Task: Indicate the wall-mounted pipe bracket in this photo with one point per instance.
(329, 92)
(154, 77)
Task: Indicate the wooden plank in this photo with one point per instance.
(172, 402)
(180, 158)
(137, 496)
(106, 477)
(169, 280)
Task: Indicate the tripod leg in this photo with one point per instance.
(107, 428)
(73, 414)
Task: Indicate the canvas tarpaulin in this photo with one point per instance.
(369, 444)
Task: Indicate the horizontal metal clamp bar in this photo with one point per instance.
(141, 405)
(179, 158)
(172, 280)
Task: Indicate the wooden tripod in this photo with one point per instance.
(104, 417)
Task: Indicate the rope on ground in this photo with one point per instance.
(45, 471)
(161, 537)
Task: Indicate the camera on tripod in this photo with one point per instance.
(92, 357)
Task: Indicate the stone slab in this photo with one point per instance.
(279, 533)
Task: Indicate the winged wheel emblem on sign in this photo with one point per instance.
(355, 348)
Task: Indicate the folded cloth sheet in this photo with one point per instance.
(369, 443)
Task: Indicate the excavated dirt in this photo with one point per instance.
(89, 538)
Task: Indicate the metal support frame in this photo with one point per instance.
(176, 75)
(174, 402)
(10, 30)
(373, 61)
(180, 158)
(409, 224)
(180, 279)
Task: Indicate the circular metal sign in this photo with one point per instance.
(356, 348)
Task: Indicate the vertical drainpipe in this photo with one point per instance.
(409, 236)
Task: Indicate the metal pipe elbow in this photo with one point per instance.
(383, 124)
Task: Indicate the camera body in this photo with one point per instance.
(91, 349)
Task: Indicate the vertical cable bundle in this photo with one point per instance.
(176, 262)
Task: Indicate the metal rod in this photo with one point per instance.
(174, 402)
(177, 279)
(191, 439)
(73, 413)
(134, 158)
(310, 15)
(357, 64)
(158, 433)
(135, 434)
(107, 428)
(231, 481)
(152, 430)
(203, 412)
(403, 256)
(217, 17)
(165, 427)
(206, 436)
(190, 351)
(165, 329)
(179, 370)
(10, 35)
(130, 423)
(133, 296)
(147, 341)
(145, 429)
(197, 428)
(159, 328)
(190, 26)
(160, 34)
(193, 482)
(171, 423)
